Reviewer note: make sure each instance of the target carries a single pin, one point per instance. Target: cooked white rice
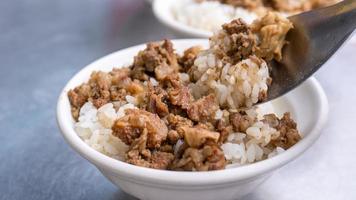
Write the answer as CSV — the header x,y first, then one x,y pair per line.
x,y
94,128
234,85
209,15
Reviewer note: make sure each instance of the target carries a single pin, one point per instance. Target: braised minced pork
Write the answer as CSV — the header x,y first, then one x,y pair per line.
x,y
141,156
163,125
287,128
242,40
156,97
207,157
203,109
271,31
135,121
189,55
158,59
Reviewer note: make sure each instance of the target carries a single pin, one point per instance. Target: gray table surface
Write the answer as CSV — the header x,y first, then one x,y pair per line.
x,y
43,43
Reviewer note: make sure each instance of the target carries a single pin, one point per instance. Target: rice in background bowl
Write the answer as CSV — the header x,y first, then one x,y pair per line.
x,y
209,15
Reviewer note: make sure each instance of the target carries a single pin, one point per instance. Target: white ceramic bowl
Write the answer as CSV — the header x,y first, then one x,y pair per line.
x,y
307,104
162,9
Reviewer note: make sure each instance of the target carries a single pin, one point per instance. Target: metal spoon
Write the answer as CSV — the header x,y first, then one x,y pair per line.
x,y
316,36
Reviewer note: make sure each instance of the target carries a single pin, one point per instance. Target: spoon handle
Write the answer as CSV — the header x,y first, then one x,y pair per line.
x,y
324,30
336,20
316,36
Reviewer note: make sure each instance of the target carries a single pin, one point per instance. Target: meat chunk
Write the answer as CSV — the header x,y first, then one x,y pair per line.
x,y
96,91
196,136
156,97
156,160
173,136
158,58
271,31
225,129
119,75
176,121
179,95
132,124
78,97
208,157
135,87
188,58
203,109
122,85
156,105
166,148
102,88
100,83
241,121
141,156
242,41
117,93
287,128
120,90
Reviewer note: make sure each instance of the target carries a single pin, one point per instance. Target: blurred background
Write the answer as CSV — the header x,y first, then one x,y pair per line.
x,y
44,43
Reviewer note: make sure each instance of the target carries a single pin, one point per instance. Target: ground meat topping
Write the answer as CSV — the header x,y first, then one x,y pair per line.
x,y
102,88
100,83
209,157
132,124
119,75
188,58
241,121
203,109
176,121
156,105
158,58
196,136
287,128
155,160
78,97
141,156
156,97
242,41
179,95
173,136
225,129
271,31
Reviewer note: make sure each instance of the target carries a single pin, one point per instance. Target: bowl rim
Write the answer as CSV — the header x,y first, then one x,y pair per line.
x,y
165,177
173,23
